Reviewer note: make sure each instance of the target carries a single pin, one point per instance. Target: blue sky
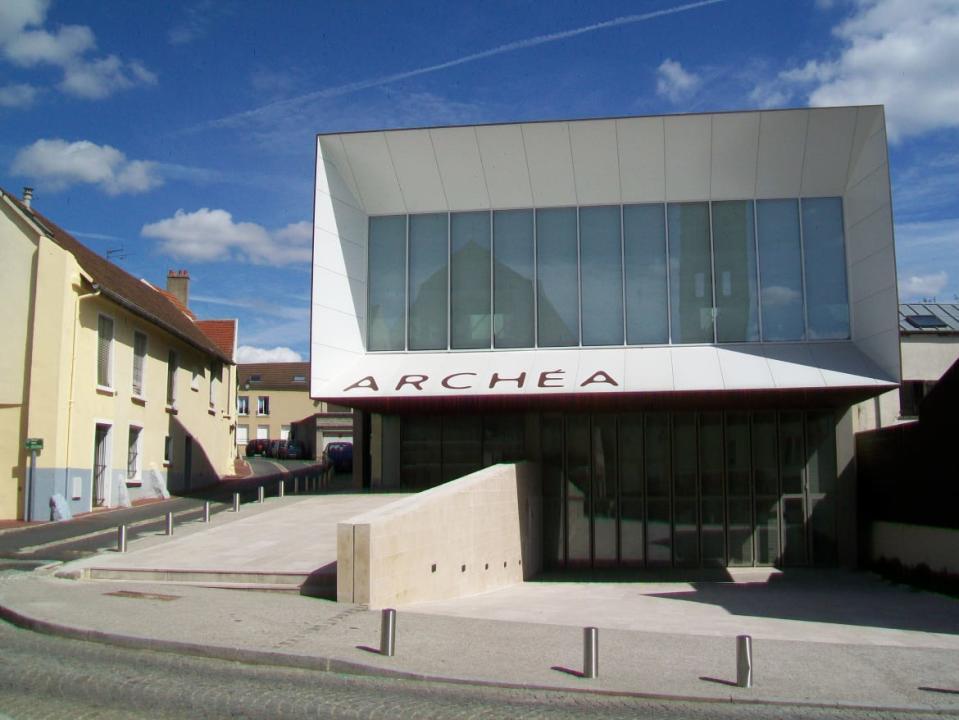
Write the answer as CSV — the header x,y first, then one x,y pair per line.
x,y
183,133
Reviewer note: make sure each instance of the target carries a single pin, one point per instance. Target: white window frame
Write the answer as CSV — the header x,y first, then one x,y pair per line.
x,y
243,405
213,385
246,430
197,373
142,359
265,429
263,405
284,432
110,351
135,470
173,365
168,450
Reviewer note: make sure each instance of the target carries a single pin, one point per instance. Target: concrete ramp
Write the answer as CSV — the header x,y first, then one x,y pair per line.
x,y
284,544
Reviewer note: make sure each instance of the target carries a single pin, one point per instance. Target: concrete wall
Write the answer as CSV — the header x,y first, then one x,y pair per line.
x,y
471,535
913,545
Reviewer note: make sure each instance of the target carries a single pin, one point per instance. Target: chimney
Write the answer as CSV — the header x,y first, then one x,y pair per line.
x,y
27,195
178,285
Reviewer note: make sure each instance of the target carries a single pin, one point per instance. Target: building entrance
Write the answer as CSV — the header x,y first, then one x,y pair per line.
x,y
689,489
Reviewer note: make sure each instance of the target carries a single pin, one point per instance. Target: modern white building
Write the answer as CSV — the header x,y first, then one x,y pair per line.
x,y
672,316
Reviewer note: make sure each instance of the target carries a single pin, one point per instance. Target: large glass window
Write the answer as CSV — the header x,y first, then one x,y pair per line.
x,y
557,281
513,278
387,283
428,283
827,306
734,256
682,273
644,237
780,269
601,275
470,286
690,274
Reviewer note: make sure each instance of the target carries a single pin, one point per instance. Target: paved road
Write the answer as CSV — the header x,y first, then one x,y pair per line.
x,y
29,547
48,677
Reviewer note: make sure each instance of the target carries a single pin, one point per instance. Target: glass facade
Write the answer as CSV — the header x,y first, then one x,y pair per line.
x,y
681,273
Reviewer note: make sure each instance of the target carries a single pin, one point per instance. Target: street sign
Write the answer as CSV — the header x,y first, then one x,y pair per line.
x,y
34,444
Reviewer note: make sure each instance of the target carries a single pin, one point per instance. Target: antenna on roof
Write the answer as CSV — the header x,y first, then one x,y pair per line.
x,y
119,253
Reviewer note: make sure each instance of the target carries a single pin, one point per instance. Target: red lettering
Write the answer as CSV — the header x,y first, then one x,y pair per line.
x,y
445,382
367,383
548,377
414,380
497,379
600,376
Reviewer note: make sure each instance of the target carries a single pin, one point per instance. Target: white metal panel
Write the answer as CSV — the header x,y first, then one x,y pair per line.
x,y
342,186
340,219
329,362
883,349
339,255
687,157
696,368
600,371
744,368
828,148
338,291
642,159
504,165
871,156
461,169
550,163
340,330
782,136
842,365
869,235
416,170
792,366
595,162
871,274
735,142
649,370
369,158
876,313
866,196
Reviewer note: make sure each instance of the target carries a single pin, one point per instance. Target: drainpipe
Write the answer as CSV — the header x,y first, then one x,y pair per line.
x,y
73,373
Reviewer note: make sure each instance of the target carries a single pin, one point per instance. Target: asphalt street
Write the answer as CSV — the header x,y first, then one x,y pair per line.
x,y
49,677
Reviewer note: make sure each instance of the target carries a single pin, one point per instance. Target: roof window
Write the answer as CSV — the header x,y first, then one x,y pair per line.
x,y
926,321
299,378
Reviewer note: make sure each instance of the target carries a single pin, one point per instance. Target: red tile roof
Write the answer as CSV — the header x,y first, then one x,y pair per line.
x,y
137,296
275,376
221,332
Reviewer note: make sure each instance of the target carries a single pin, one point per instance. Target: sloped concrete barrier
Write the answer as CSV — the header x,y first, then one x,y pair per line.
x,y
477,533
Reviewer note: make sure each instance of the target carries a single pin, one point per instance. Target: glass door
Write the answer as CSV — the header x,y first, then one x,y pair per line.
x,y
821,482
791,469
766,488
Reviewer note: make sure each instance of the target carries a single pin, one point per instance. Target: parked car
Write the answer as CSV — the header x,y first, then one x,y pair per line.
x,y
257,446
275,446
292,450
340,455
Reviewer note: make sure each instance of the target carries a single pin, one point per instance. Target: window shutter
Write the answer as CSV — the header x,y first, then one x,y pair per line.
x,y
104,341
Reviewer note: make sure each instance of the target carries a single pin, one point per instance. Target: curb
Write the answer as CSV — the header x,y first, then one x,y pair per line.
x,y
346,667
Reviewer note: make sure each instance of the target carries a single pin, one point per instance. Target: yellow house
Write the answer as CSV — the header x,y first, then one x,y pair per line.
x,y
129,393
272,397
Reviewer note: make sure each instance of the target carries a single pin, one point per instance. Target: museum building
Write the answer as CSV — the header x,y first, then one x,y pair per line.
x,y
671,316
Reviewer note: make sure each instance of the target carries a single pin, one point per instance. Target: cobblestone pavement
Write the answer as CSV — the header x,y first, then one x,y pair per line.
x,y
48,677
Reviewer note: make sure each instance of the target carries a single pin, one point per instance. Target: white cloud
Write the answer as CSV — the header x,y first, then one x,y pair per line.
x,y
58,164
900,53
17,96
923,286
25,43
251,354
780,295
209,235
675,83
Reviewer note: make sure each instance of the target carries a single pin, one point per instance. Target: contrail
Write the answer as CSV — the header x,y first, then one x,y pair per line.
x,y
473,57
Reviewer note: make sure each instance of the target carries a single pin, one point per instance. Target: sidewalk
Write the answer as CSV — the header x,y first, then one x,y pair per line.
x,y
833,639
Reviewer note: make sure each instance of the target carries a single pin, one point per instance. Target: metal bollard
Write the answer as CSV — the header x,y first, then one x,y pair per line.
x,y
388,632
296,486
169,523
590,652
206,511
744,661
121,538
259,494
236,502
281,488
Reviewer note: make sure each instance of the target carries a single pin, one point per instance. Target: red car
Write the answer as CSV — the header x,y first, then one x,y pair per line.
x,y
258,446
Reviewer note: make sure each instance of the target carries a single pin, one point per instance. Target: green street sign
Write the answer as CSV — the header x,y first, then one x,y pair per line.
x,y
34,444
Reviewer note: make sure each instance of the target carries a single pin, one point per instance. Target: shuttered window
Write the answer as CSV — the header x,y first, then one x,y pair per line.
x,y
104,351
171,378
133,453
139,360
